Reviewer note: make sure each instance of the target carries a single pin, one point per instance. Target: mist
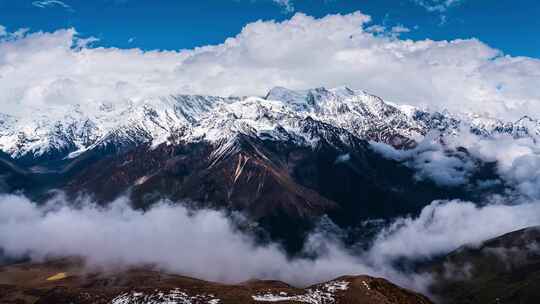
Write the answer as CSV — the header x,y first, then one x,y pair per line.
x,y
205,244
431,161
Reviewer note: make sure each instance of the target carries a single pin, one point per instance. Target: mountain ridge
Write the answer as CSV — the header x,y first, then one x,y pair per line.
x,y
57,135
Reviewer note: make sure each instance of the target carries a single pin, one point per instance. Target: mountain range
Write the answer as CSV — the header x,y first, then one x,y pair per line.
x,y
289,157
56,135
286,161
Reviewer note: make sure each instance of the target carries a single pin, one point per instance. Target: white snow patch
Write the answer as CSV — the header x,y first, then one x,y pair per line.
x,y
175,296
141,180
324,294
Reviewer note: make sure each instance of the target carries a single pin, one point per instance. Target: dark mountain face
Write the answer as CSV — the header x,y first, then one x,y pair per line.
x,y
12,177
505,269
282,186
280,182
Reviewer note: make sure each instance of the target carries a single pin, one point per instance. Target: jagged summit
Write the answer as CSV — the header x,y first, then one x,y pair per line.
x,y
53,134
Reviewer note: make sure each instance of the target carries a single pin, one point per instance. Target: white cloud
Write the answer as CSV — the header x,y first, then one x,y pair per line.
x,y
398,29
44,69
432,161
437,5
50,3
287,5
446,225
3,31
382,31
170,237
518,160
377,29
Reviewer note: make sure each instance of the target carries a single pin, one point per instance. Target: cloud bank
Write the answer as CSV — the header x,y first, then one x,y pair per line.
x,y
432,161
452,159
446,225
182,241
169,236
518,160
302,52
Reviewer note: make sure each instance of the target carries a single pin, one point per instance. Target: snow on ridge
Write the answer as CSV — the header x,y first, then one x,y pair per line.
x,y
71,131
175,296
323,294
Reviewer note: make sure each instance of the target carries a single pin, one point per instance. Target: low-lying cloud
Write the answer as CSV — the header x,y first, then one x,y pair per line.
x,y
446,225
205,244
451,160
432,161
518,159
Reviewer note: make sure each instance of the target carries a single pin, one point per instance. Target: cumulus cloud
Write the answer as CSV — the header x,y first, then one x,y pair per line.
x,y
299,53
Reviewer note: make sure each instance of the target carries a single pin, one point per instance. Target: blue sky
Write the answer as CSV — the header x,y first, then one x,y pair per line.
x,y
418,60
509,25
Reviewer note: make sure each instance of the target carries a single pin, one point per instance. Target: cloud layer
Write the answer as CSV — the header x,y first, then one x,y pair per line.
x,y
181,241
169,236
446,225
432,161
45,69
518,160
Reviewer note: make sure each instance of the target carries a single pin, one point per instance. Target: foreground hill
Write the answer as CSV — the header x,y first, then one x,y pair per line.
x,y
66,282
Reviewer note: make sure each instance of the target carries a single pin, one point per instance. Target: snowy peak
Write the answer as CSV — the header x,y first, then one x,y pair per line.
x,y
316,99
282,114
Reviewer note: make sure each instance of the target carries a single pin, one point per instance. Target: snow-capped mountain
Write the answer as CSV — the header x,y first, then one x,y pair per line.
x,y
285,160
59,133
